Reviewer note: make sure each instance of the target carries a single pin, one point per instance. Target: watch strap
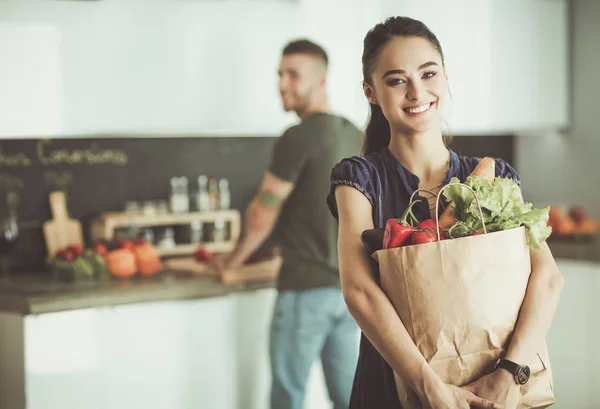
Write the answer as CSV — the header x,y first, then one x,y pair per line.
x,y
510,366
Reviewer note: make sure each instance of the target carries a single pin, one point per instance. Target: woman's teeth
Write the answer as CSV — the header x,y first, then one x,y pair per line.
x,y
418,109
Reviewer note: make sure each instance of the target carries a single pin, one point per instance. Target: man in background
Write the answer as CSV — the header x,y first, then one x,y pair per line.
x,y
310,319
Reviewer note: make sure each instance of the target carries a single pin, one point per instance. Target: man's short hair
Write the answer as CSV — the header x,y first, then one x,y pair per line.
x,y
304,46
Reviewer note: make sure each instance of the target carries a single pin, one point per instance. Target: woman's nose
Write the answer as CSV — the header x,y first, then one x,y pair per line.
x,y
415,90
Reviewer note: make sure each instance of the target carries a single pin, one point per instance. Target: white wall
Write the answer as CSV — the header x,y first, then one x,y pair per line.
x,y
564,168
165,66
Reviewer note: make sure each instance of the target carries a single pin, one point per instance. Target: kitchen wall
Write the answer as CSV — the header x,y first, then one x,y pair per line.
x,y
168,66
563,168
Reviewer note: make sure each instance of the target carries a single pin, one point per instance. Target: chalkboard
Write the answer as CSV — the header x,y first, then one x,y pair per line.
x,y
101,174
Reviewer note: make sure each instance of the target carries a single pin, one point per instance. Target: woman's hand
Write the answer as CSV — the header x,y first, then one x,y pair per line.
x,y
444,396
498,386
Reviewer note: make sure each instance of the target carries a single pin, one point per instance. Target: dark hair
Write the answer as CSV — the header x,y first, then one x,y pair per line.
x,y
304,46
377,134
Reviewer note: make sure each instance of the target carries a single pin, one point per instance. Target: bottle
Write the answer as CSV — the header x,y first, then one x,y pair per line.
x,y
202,200
168,239
224,195
219,232
174,198
213,194
148,234
184,196
196,232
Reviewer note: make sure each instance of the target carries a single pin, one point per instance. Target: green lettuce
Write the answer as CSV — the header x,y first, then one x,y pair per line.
x,y
502,207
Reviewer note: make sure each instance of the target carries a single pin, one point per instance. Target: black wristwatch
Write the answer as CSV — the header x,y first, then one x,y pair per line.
x,y
520,372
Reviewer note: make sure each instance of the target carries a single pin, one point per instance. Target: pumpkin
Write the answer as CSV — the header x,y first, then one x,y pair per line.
x,y
148,259
122,263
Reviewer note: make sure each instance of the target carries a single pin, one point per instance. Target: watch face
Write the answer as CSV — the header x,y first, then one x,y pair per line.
x,y
522,375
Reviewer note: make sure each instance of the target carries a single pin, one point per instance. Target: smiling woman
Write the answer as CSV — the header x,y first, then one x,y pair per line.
x,y
406,85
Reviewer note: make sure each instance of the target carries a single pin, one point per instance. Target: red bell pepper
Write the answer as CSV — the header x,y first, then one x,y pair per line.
x,y
427,224
423,236
397,231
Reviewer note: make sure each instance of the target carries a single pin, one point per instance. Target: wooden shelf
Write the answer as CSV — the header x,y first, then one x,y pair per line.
x,y
103,228
186,249
124,219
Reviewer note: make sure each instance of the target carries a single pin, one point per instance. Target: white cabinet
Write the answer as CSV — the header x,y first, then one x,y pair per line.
x,y
573,337
530,79
206,353
163,355
506,60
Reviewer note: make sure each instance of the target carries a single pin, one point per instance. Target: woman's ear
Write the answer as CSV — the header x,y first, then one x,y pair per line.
x,y
370,93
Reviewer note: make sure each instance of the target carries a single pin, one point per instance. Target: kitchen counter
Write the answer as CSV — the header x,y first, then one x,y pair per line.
x,y
176,340
576,250
36,293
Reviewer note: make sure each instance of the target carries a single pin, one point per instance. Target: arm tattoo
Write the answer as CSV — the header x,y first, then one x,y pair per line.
x,y
268,198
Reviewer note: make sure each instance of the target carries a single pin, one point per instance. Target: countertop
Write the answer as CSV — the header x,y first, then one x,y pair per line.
x,y
37,293
580,250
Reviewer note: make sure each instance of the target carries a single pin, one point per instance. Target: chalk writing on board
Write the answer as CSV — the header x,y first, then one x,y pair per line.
x,y
14,160
49,155
94,155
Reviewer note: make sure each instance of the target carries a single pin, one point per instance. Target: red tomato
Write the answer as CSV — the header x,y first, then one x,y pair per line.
x,y
202,255
100,248
76,249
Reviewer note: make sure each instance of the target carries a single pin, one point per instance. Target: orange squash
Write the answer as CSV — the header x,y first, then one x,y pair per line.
x,y
121,263
148,259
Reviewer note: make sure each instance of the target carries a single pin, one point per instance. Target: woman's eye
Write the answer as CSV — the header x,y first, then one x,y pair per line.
x,y
429,74
396,81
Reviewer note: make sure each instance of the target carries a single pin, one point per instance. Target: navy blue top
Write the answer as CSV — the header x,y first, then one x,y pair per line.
x,y
388,187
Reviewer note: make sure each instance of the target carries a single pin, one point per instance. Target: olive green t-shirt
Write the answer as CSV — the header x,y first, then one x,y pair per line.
x,y
306,232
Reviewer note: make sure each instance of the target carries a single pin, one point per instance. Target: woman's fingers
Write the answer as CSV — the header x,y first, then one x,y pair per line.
x,y
480,403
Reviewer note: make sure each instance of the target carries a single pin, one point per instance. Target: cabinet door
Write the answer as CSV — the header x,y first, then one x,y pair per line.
x,y
63,360
170,355
529,64
571,339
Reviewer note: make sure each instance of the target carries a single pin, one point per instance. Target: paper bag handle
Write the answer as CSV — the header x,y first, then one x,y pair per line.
x,y
437,204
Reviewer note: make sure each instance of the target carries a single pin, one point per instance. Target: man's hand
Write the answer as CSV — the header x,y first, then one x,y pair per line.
x,y
499,387
221,262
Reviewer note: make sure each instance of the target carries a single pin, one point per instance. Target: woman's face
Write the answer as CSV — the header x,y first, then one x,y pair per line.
x,y
409,84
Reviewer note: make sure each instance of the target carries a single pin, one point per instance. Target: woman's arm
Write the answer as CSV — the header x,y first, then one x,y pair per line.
x,y
537,312
535,317
376,315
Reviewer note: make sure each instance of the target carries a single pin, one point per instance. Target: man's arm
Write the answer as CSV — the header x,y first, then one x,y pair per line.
x,y
260,217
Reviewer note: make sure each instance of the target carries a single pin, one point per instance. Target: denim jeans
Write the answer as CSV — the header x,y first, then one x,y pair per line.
x,y
308,325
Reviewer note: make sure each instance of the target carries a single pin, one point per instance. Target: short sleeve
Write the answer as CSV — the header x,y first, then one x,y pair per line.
x,y
354,172
289,155
505,170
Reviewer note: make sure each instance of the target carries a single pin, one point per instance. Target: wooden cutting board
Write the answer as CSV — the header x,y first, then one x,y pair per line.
x,y
261,271
61,231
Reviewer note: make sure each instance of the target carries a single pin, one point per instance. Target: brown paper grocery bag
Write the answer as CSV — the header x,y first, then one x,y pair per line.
x,y
459,300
